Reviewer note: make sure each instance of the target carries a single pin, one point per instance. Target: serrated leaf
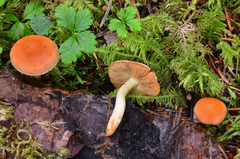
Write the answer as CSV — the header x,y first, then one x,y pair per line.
x,y
126,18
134,25
114,24
40,24
70,50
83,20
122,31
65,16
16,31
11,17
32,9
121,14
130,13
86,41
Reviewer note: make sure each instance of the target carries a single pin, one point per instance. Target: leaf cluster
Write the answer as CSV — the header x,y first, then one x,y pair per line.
x,y
81,40
125,18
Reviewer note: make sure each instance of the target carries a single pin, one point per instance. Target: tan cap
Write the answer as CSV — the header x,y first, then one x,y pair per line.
x,y
210,111
120,71
34,55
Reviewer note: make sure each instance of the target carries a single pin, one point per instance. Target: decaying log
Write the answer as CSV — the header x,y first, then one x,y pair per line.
x,y
55,114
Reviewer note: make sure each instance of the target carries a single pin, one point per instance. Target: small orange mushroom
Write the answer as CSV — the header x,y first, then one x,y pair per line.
x,y
210,110
34,55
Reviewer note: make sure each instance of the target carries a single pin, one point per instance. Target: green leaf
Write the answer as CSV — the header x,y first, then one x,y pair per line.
x,y
2,2
118,25
134,25
1,49
32,9
11,17
86,41
122,31
83,20
16,31
131,13
126,18
40,24
227,53
115,24
65,16
27,30
127,14
70,50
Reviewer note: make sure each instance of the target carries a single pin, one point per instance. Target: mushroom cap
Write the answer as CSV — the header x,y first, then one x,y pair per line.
x,y
34,55
120,71
210,111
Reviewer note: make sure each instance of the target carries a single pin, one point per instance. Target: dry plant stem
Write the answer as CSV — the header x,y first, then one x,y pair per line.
x,y
223,77
227,18
233,109
228,21
120,105
228,39
106,13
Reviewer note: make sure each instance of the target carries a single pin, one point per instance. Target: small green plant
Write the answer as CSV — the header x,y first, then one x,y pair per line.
x,y
230,52
234,127
81,40
211,24
32,18
5,112
58,154
125,18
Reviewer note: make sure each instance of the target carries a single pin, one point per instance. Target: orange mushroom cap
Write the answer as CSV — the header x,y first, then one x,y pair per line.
x,y
210,111
34,55
121,71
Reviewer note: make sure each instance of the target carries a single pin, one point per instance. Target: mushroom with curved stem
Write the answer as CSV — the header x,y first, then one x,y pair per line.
x,y
129,75
34,55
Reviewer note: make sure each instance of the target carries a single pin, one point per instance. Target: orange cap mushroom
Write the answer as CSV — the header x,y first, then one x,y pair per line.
x,y
129,75
210,110
34,55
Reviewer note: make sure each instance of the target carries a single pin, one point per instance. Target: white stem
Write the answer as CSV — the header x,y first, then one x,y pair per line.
x,y
120,105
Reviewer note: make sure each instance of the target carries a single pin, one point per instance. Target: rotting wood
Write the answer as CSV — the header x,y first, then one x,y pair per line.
x,y
134,138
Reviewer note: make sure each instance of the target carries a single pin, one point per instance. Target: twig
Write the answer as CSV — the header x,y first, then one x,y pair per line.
x,y
228,21
106,13
227,18
223,77
236,89
230,70
102,34
228,39
223,152
120,4
233,109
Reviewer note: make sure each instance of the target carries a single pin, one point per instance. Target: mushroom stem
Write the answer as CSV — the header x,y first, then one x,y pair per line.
x,y
120,105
